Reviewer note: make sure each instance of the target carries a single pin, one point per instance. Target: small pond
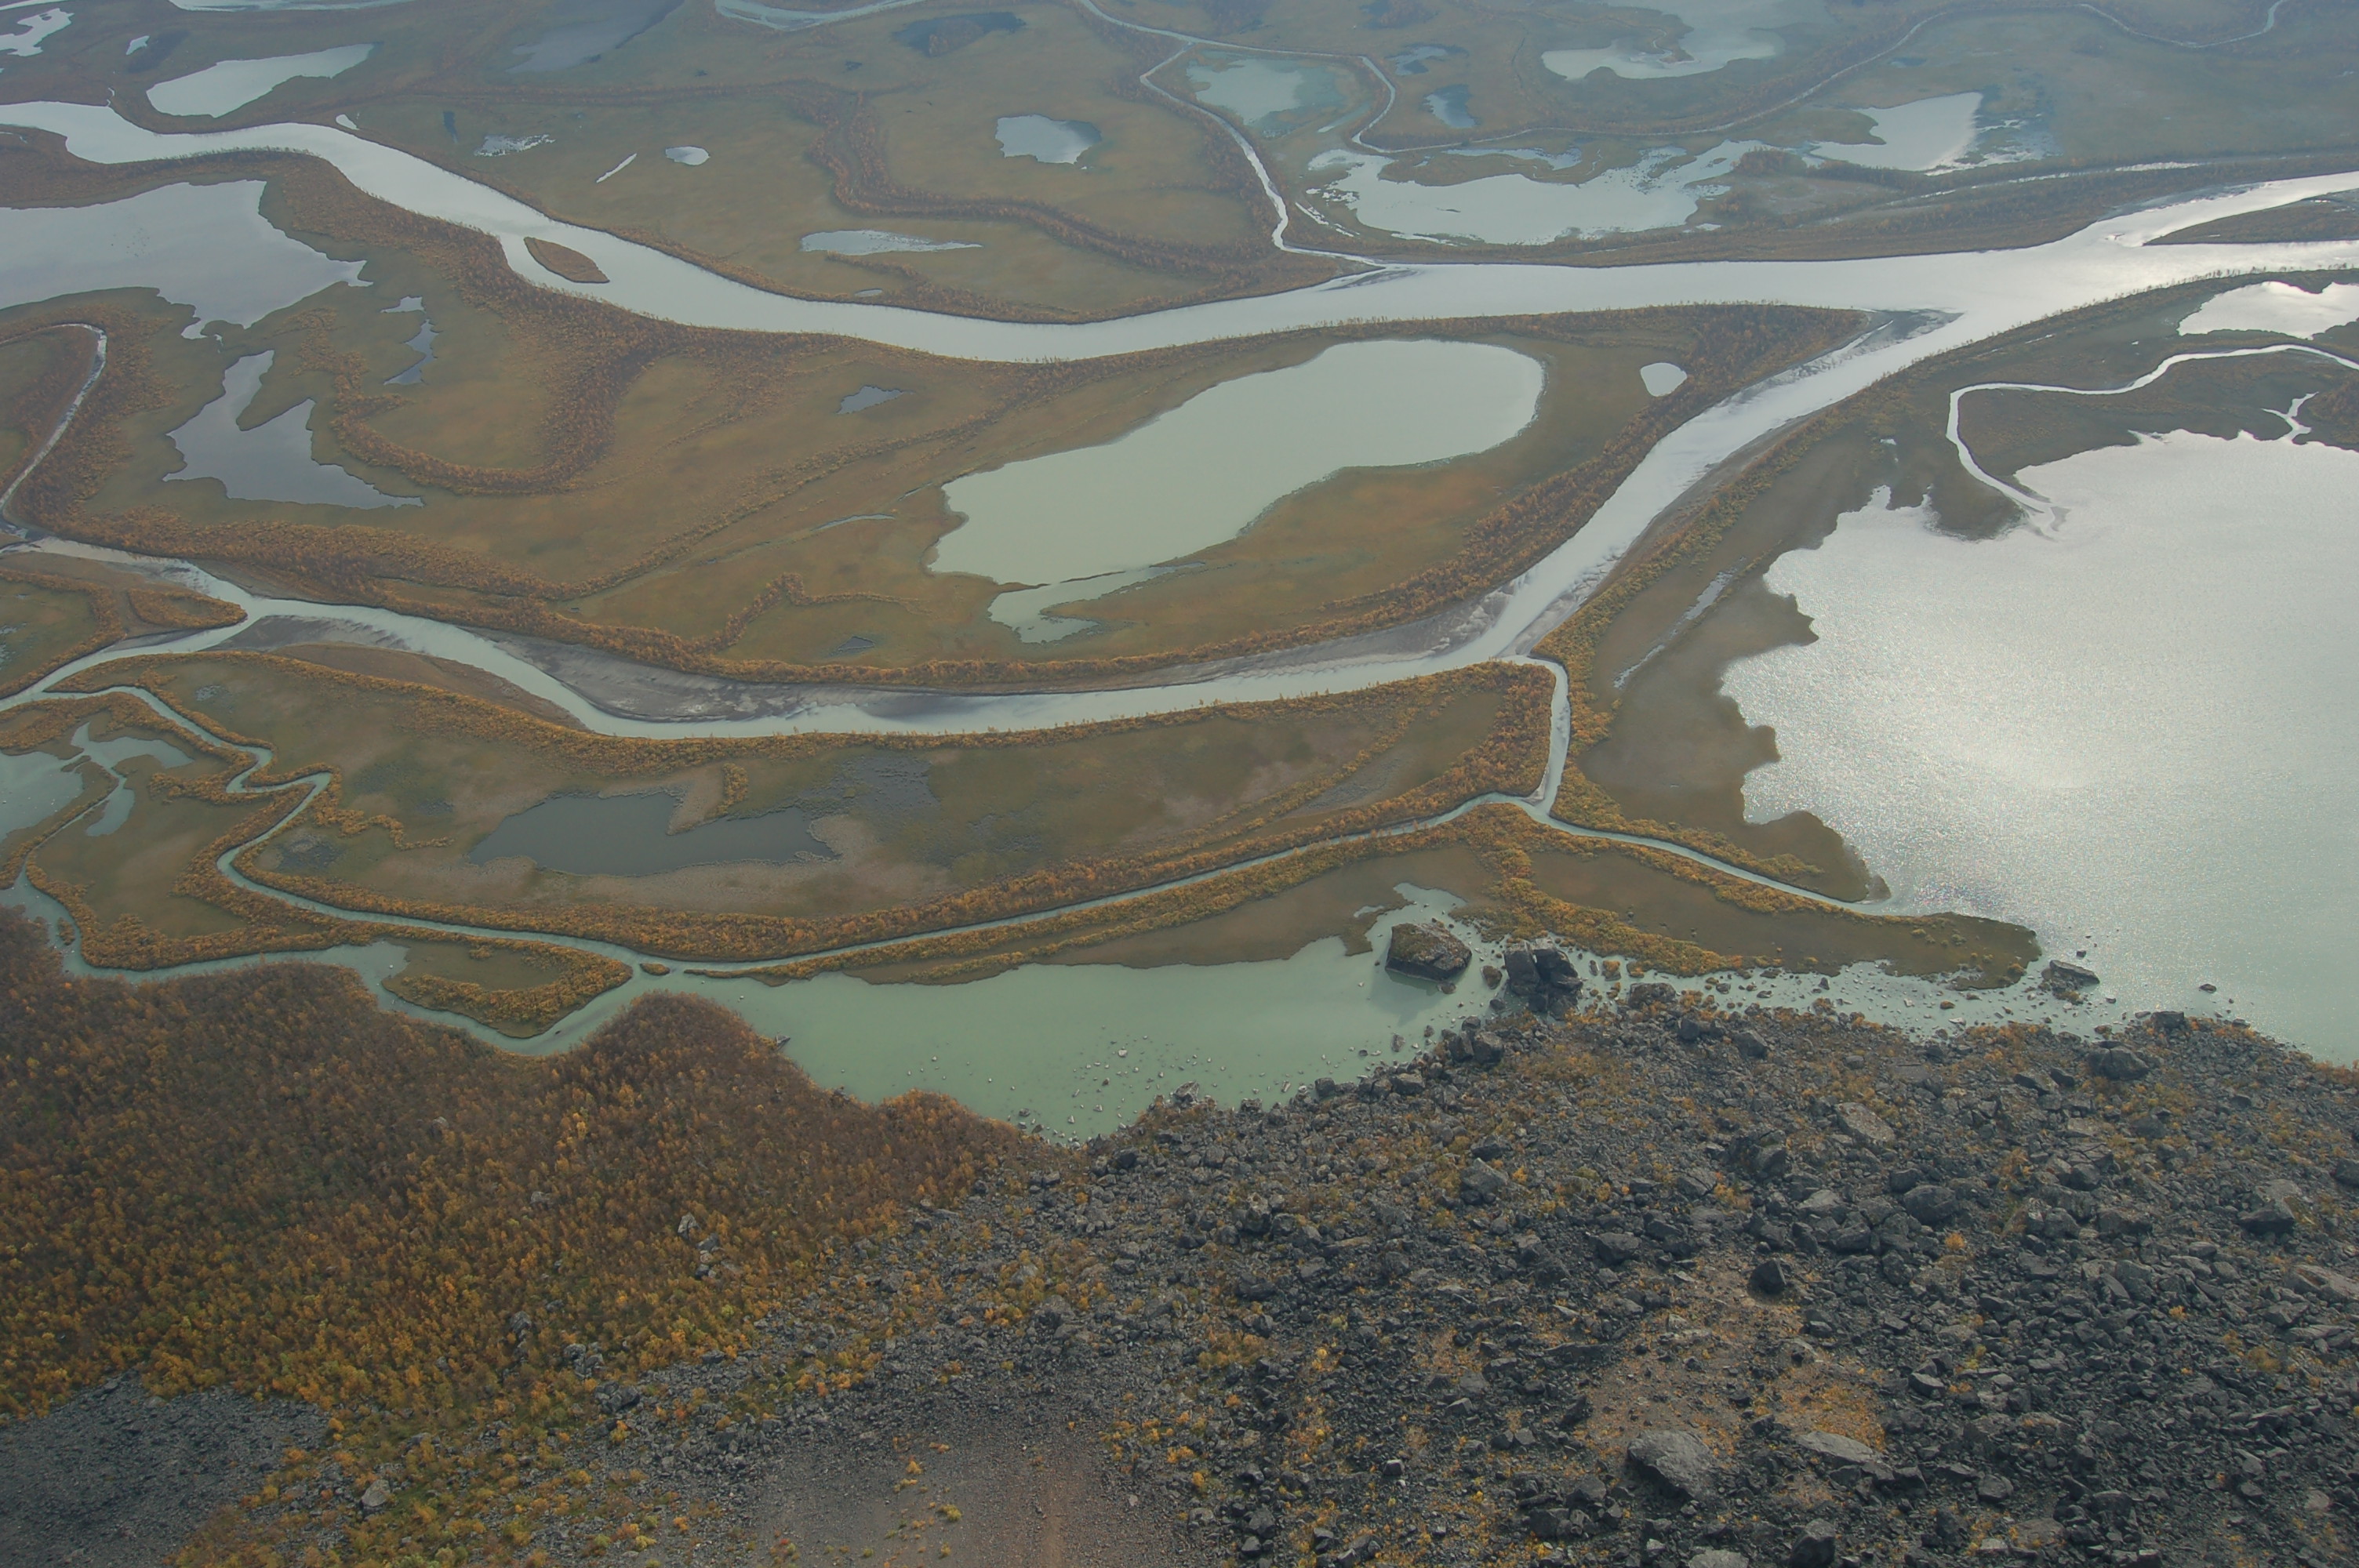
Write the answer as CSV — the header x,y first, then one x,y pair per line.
x,y
876,242
235,83
1203,471
25,42
1412,60
867,397
1261,94
947,34
1931,134
273,461
1450,106
1662,378
586,29
2276,307
1662,189
1719,32
1045,140
421,343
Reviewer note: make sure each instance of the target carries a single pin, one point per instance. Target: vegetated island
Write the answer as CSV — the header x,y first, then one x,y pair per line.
x,y
1657,1281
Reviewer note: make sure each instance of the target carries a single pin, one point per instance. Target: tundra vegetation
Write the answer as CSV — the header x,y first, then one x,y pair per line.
x,y
1661,1277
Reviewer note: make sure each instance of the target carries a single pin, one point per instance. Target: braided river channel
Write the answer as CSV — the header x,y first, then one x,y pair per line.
x,y
1982,789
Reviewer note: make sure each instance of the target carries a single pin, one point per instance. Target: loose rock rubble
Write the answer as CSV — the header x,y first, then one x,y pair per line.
x,y
119,1477
1660,1286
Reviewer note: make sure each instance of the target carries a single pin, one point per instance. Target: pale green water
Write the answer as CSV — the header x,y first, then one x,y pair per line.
x,y
235,83
1080,1049
1202,472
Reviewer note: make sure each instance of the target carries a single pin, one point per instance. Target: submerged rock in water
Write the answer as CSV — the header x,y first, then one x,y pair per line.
x,y
2065,979
1427,952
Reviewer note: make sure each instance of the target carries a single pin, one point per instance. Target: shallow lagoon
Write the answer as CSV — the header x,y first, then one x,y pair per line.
x,y
1929,134
2136,733
1260,93
876,242
273,461
2276,307
233,83
1719,32
33,784
205,246
1080,1049
1044,140
1662,189
1202,472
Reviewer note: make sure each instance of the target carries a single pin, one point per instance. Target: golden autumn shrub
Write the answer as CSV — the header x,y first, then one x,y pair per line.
x,y
261,1179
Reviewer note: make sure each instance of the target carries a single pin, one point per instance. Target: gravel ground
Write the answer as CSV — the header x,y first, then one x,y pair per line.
x,y
1649,1288
117,1478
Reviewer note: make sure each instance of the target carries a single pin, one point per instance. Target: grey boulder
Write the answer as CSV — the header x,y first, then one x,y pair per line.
x,y
1676,1457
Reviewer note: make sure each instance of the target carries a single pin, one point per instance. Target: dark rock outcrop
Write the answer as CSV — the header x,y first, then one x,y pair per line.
x,y
1427,952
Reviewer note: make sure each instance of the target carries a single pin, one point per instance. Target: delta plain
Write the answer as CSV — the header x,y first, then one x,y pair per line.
x,y
1457,781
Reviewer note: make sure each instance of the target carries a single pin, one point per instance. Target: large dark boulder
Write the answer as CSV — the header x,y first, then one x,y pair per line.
x,y
1930,1204
1427,952
1541,975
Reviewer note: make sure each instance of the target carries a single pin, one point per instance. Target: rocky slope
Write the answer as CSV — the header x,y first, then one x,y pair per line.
x,y
1654,1285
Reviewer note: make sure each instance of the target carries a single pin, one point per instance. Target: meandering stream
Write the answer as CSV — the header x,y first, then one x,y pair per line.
x,y
1923,305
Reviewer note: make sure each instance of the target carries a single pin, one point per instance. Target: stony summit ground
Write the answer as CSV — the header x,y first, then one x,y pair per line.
x,y
1649,1285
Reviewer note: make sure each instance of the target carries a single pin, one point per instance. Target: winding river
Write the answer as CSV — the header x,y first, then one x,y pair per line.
x,y
1922,306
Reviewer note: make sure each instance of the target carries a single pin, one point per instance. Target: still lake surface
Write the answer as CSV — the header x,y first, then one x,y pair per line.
x,y
1201,474
233,83
272,461
1716,34
2135,730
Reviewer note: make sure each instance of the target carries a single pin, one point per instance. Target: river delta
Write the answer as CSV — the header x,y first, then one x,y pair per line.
x,y
1195,781
1260,426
